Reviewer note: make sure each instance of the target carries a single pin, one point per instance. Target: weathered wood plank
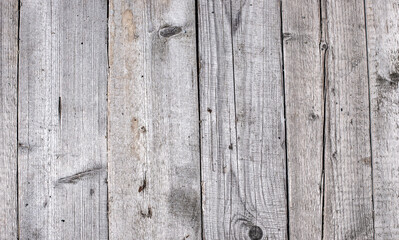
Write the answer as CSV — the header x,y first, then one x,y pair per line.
x,y
218,125
154,174
62,120
383,46
8,118
242,126
304,52
348,210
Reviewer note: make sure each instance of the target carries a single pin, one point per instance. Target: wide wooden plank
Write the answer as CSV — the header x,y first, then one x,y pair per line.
x,y
348,210
8,118
383,46
62,120
154,174
304,58
242,120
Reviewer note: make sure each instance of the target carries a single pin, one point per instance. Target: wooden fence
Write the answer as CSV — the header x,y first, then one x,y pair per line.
x,y
199,119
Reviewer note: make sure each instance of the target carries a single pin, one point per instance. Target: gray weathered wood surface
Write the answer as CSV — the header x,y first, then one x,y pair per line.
x,y
168,119
242,120
154,164
304,58
62,123
383,46
8,118
348,212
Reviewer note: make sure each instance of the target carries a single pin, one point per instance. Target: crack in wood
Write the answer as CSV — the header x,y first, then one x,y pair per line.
x,y
73,179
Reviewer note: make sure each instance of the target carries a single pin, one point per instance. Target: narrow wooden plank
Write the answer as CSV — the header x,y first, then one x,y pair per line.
x,y
154,174
8,118
218,125
62,120
383,46
348,210
242,120
304,52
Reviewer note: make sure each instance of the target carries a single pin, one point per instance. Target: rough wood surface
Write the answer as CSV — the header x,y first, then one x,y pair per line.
x,y
62,120
154,164
383,45
8,118
199,157
304,57
348,210
242,120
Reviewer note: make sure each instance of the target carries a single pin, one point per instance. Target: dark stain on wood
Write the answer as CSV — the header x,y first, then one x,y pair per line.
x,y
385,88
184,202
23,146
394,77
169,31
366,161
237,21
391,83
359,231
334,155
144,185
313,116
148,214
287,36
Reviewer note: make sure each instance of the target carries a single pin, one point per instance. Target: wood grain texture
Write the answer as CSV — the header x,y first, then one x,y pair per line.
x,y
154,164
348,210
304,56
383,46
8,118
242,120
62,120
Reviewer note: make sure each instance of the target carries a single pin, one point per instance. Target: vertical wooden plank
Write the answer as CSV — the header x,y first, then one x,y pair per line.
x,y
348,210
261,169
304,52
383,46
8,118
242,120
62,120
218,124
154,174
